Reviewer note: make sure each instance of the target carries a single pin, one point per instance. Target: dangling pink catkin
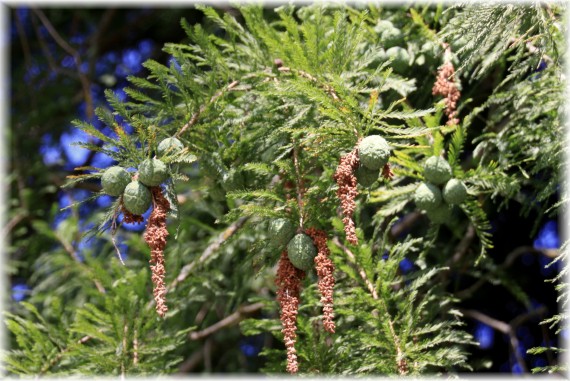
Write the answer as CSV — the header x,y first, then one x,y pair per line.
x,y
347,191
288,281
155,237
446,86
325,272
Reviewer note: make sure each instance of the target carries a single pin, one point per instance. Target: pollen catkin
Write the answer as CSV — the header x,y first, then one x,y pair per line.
x,y
155,237
325,272
288,281
347,191
387,172
446,86
130,218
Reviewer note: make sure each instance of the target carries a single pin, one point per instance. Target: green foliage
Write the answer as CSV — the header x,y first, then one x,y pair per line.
x,y
266,106
115,333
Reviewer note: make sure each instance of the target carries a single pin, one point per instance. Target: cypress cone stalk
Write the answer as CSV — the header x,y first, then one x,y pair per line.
x,y
155,237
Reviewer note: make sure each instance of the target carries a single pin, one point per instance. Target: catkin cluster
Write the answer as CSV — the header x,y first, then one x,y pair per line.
x,y
446,86
155,237
347,191
288,281
325,272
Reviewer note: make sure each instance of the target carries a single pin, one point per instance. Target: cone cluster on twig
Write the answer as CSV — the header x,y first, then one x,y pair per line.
x,y
363,165
301,252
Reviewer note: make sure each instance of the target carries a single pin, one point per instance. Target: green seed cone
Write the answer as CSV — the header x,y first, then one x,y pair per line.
x,y
169,146
437,170
281,231
302,252
137,198
440,214
401,62
374,152
366,177
427,196
392,37
454,192
152,172
114,180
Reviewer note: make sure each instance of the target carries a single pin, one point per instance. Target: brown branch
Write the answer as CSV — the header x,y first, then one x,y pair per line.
x,y
509,260
406,223
459,252
191,362
14,221
228,321
85,83
508,329
463,245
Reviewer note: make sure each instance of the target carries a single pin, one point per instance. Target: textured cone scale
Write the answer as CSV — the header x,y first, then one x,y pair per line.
x,y
373,152
427,196
281,231
152,172
366,177
114,180
169,146
454,192
136,198
437,170
302,252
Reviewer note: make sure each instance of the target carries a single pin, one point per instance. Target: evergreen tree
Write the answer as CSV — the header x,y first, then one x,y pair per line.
x,y
314,182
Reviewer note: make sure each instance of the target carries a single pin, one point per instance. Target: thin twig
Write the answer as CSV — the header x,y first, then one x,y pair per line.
x,y
135,348
508,329
328,88
299,184
13,222
400,360
211,249
406,223
56,359
125,332
230,320
85,83
509,260
459,252
194,119
191,362
117,249
360,270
